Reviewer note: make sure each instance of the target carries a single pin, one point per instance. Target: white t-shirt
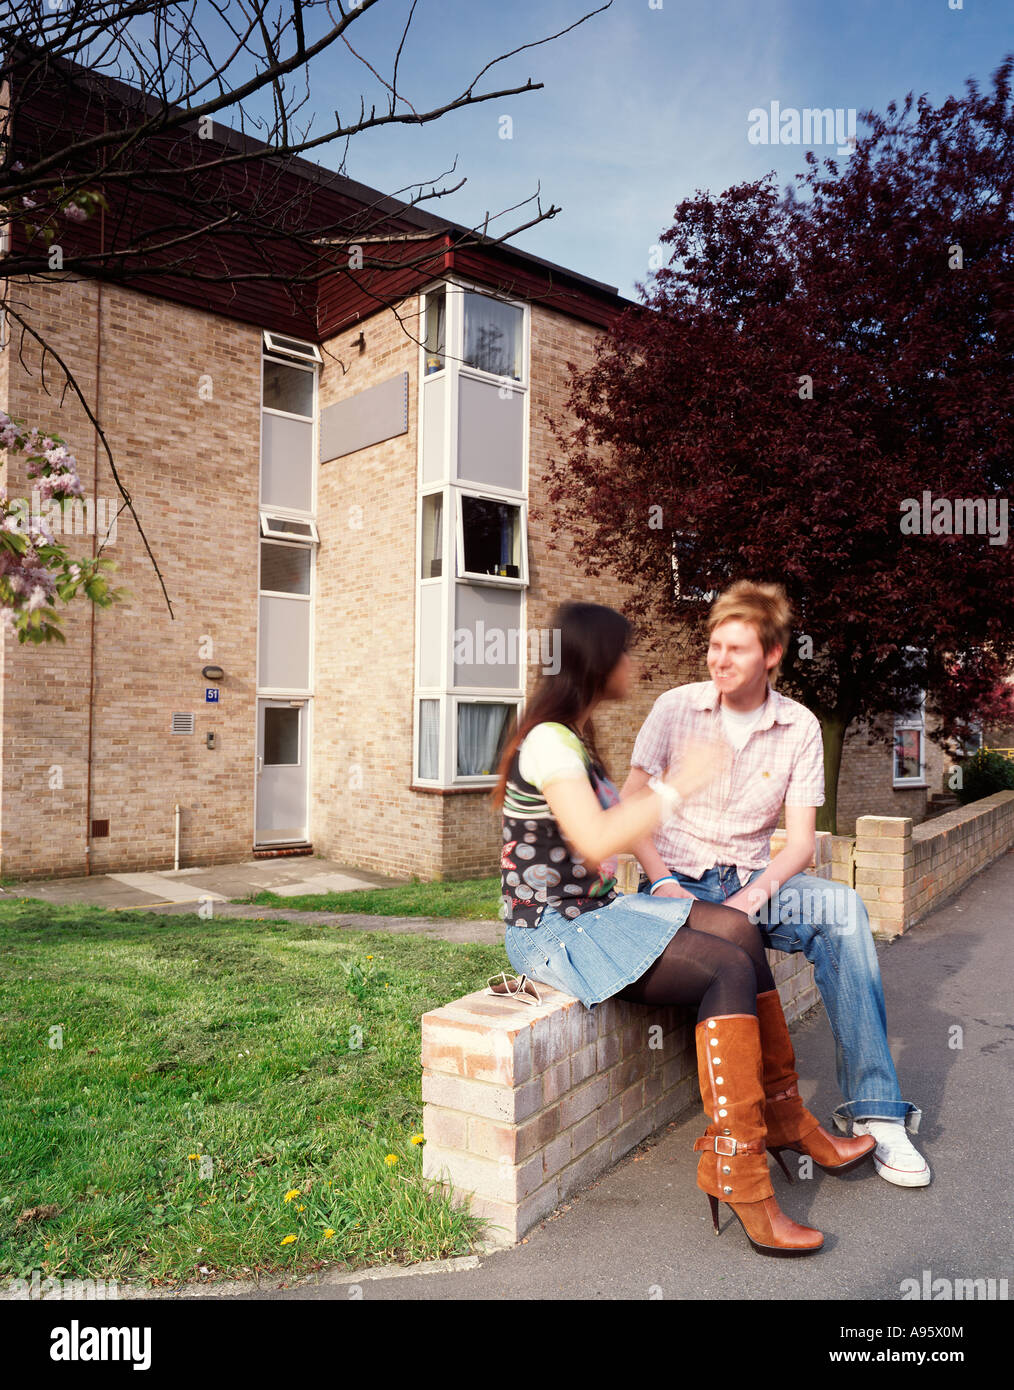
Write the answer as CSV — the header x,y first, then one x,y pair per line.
x,y
551,751
738,727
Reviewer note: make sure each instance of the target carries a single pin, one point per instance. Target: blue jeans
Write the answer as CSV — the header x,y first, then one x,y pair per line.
x,y
829,923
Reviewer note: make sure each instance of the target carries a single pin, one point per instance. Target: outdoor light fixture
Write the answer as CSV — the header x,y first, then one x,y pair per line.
x,y
212,673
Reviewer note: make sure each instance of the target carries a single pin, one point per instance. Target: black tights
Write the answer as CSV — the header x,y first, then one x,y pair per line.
x,y
716,960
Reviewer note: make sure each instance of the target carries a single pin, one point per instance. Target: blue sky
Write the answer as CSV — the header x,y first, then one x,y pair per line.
x,y
640,106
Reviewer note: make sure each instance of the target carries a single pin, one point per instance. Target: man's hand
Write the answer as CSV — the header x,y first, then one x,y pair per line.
x,y
750,900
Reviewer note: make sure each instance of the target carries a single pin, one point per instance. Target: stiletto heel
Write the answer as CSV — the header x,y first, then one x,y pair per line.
x,y
714,1211
781,1162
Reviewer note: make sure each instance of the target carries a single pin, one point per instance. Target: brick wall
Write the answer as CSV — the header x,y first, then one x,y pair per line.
x,y
905,871
524,1105
364,812
190,466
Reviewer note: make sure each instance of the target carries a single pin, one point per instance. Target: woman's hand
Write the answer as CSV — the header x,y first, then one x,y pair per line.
x,y
671,890
697,764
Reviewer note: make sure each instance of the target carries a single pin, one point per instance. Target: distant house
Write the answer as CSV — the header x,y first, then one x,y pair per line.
x,y
348,509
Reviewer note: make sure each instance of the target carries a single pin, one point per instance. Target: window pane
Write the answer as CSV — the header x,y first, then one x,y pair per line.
x,y
493,335
286,462
295,528
281,736
429,738
436,318
907,749
432,535
285,569
288,388
492,536
482,732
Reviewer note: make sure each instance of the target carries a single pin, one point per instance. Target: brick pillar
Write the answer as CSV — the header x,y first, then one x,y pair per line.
x,y
885,870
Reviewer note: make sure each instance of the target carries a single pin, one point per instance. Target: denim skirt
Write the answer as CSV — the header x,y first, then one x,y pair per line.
x,y
597,954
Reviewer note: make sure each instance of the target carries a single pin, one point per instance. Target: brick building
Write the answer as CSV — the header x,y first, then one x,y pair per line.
x,y
344,504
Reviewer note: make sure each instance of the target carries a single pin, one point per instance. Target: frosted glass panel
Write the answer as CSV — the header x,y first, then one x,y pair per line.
x,y
490,434
286,463
284,643
488,644
433,464
431,656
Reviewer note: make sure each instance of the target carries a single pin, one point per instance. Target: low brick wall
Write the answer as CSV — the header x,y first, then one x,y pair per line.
x,y
524,1105
903,871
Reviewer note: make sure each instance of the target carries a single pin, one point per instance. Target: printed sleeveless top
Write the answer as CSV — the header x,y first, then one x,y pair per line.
x,y
538,868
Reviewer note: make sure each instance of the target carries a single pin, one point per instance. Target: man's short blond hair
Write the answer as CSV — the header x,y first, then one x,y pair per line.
x,y
765,606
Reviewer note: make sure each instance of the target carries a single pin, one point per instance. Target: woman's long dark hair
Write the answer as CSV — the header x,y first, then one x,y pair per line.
x,y
592,640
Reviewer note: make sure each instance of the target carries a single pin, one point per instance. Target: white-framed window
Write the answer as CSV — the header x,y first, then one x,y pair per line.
x,y
480,333
285,568
481,729
291,347
493,336
428,741
432,538
288,528
910,746
289,388
435,334
491,539
480,732
459,739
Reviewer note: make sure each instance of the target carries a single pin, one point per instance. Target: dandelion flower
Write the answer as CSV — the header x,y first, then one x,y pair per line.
x,y
328,1233
193,1155
391,1159
292,1192
301,1208
287,1240
418,1139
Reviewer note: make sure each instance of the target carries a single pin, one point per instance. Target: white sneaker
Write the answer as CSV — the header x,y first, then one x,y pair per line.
x,y
895,1158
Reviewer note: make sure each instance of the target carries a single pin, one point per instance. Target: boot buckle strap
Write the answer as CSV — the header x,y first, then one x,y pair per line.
x,y
712,1142
726,1145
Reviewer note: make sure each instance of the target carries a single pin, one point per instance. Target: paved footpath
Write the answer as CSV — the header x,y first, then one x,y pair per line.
x,y
643,1229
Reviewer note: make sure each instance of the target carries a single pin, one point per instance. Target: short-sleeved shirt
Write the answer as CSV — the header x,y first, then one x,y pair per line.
x,y
731,820
538,867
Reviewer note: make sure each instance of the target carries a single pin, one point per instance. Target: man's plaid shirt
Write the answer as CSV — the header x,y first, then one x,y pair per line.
x,y
731,820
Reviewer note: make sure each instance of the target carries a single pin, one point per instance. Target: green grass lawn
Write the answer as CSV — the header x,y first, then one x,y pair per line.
x,y
472,898
283,1055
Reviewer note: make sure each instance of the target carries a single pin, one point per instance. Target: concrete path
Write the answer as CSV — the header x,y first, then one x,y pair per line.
x,y
171,891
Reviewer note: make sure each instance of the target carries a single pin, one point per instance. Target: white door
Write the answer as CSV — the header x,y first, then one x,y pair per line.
x,y
282,794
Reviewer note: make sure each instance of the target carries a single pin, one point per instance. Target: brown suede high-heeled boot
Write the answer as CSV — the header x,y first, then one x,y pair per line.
x,y
732,1167
788,1123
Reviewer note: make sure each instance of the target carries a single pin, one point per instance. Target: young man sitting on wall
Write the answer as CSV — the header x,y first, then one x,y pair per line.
x,y
719,849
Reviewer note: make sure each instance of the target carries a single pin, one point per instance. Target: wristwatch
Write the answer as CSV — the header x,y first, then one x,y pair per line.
x,y
670,796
